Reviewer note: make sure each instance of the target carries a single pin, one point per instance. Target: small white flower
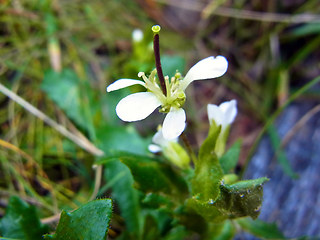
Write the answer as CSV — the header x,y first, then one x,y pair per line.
x,y
137,35
224,114
138,106
160,142
171,149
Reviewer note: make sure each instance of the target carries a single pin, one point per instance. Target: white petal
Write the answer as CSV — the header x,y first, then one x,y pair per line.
x,y
215,114
137,106
207,68
154,148
160,140
122,83
230,110
174,123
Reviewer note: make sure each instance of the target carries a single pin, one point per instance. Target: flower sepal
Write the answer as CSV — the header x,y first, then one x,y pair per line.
x,y
222,137
176,154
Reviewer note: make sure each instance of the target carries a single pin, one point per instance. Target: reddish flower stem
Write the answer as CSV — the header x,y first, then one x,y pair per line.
x,y
156,48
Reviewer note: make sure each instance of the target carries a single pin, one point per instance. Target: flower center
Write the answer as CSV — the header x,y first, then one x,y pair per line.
x,y
175,96
177,100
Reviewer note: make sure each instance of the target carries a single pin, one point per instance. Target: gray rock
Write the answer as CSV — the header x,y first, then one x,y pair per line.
x,y
294,204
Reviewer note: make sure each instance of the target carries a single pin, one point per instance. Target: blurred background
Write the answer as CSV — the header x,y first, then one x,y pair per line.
x,y
59,56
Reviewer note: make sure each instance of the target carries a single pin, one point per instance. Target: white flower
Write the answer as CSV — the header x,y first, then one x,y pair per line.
x,y
171,149
160,142
224,114
138,106
137,35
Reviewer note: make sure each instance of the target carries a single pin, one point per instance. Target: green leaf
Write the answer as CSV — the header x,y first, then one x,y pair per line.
x,y
207,210
246,185
171,64
230,178
119,138
280,154
148,175
67,91
230,159
124,194
162,216
227,232
207,179
151,231
155,201
151,175
241,199
91,221
114,139
221,231
208,145
208,172
306,29
177,233
261,229
190,218
21,221
51,24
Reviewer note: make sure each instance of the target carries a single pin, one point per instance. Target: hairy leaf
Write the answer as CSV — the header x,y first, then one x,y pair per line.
x,y
91,221
207,210
241,199
208,172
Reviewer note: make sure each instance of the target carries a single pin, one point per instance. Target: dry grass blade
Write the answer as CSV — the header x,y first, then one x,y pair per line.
x,y
16,149
264,16
243,14
51,219
299,125
79,140
22,13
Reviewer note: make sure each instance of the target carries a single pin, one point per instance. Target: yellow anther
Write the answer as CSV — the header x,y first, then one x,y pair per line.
x,y
140,74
